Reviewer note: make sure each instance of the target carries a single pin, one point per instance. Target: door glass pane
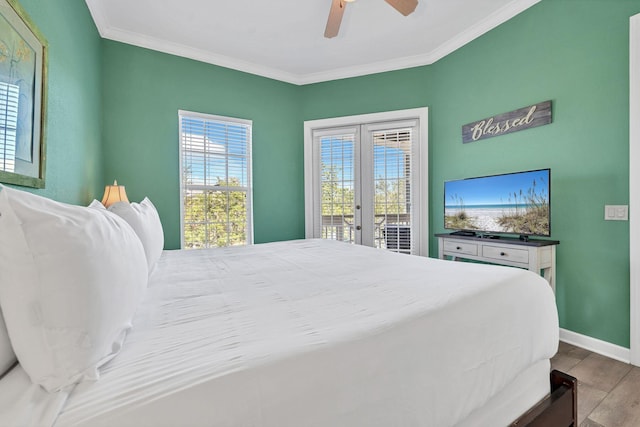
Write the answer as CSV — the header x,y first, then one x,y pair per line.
x,y
337,182
392,183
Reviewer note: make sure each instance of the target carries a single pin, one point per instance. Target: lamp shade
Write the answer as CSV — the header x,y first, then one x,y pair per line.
x,y
113,194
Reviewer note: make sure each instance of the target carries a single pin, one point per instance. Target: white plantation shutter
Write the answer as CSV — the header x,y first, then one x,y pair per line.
x,y
338,173
392,203
215,166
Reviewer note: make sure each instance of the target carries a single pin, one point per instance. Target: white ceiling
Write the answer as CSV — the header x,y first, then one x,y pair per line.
x,y
284,39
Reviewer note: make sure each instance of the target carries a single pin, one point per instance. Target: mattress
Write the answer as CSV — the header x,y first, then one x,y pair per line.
x,y
320,333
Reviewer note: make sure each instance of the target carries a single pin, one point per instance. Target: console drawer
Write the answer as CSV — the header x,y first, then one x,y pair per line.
x,y
461,248
506,253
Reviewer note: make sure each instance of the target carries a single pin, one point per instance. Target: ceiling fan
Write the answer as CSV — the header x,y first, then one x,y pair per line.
x,y
405,7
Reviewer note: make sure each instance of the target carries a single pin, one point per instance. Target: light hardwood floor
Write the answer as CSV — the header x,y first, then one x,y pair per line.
x,y
608,390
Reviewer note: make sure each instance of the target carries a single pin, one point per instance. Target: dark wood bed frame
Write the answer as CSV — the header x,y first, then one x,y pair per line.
x,y
559,409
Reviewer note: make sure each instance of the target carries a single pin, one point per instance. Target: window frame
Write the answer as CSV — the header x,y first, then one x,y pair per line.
x,y
421,195
249,189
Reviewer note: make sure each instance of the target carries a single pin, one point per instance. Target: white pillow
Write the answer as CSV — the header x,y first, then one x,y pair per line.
x,y
72,278
145,221
97,205
7,356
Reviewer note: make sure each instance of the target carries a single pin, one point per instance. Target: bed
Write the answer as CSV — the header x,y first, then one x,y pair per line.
x,y
313,333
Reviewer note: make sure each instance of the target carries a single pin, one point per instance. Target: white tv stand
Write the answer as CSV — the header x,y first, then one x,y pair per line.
x,y
538,256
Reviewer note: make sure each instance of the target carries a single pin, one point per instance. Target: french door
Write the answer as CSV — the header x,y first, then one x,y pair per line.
x,y
366,184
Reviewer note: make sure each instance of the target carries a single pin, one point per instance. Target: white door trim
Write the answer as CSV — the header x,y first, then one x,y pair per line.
x,y
422,114
634,187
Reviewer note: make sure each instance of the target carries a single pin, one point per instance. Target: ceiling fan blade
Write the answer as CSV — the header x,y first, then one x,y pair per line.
x,y
405,7
335,18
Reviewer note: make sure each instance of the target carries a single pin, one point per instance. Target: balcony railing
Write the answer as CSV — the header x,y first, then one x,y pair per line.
x,y
391,231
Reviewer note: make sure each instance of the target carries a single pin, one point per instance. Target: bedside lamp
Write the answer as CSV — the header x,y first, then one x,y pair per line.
x,y
114,193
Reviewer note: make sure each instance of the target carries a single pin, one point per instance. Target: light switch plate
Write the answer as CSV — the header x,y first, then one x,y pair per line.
x,y
616,212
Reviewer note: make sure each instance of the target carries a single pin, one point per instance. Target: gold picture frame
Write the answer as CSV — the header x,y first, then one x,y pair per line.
x,y
23,72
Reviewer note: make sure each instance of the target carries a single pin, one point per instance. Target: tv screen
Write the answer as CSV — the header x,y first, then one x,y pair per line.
x,y
513,203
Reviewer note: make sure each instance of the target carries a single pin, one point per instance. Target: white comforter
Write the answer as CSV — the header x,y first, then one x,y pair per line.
x,y
319,333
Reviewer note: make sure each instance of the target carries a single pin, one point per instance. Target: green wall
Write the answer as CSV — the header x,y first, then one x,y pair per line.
x,y
143,91
112,114
575,53
74,110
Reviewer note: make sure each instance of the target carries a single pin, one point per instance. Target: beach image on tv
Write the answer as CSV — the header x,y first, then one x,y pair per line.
x,y
513,203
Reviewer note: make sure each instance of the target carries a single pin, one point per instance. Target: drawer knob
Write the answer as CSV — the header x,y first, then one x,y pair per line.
x,y
458,248
502,254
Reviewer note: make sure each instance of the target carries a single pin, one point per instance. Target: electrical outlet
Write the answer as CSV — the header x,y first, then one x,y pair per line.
x,y
616,212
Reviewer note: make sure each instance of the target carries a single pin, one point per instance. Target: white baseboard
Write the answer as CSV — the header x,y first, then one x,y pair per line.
x,y
604,348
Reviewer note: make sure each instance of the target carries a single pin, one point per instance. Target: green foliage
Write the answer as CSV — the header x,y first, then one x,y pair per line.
x,y
391,197
216,217
336,198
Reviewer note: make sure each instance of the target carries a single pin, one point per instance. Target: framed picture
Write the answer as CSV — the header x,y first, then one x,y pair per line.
x,y
23,64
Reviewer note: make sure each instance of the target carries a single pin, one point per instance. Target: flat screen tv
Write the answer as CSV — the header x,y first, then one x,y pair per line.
x,y
511,203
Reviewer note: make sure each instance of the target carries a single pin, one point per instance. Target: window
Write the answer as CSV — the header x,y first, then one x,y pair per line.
x,y
215,166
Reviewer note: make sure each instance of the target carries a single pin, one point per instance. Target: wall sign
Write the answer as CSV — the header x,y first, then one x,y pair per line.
x,y
513,121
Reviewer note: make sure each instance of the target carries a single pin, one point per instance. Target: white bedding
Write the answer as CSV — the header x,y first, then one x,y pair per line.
x,y
319,333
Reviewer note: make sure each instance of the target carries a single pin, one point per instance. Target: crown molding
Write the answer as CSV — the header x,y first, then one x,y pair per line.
x,y
189,52
497,18
366,69
482,27
96,8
